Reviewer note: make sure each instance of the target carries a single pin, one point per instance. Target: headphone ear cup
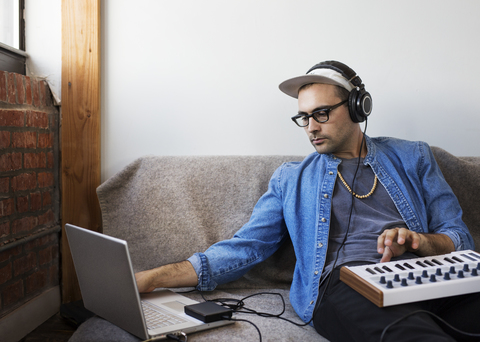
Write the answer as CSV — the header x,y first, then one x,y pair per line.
x,y
359,105
352,106
366,104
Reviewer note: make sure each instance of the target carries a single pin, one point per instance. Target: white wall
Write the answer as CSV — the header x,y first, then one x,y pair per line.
x,y
200,77
43,40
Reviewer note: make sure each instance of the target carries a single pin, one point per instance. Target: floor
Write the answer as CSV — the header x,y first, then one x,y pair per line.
x,y
55,329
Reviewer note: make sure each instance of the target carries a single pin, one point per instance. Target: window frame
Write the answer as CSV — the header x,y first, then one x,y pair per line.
x,y
12,59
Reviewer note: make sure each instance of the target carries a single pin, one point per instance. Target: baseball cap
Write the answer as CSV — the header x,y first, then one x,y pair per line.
x,y
322,75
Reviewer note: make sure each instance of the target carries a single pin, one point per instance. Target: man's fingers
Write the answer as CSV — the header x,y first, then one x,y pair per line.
x,y
387,255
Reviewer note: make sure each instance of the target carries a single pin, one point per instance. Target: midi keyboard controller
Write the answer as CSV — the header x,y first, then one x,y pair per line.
x,y
412,280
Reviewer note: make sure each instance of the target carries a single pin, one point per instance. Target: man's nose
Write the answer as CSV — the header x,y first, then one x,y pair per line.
x,y
313,125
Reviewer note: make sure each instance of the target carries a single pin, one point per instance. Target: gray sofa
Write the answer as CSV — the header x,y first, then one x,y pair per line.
x,y
168,208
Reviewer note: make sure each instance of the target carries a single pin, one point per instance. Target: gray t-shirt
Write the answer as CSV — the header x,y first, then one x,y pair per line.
x,y
370,217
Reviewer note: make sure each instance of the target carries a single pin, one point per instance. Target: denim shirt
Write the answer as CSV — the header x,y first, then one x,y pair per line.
x,y
298,204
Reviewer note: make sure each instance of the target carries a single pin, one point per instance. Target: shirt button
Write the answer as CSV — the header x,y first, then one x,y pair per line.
x,y
316,272
326,195
330,173
324,219
311,302
320,245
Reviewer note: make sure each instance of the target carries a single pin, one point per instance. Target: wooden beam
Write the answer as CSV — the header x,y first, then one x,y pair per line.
x,y
80,127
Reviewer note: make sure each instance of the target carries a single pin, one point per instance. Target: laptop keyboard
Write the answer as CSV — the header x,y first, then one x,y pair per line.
x,y
157,317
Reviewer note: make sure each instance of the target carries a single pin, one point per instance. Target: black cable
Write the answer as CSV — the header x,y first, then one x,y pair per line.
x,y
239,304
244,320
465,334
349,218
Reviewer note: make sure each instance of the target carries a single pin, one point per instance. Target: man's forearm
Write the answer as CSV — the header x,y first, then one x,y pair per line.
x,y
434,244
180,274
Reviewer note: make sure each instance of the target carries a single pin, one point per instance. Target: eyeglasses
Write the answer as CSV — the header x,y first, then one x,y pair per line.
x,y
320,115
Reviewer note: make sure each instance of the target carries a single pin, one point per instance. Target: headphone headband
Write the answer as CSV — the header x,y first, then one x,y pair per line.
x,y
359,101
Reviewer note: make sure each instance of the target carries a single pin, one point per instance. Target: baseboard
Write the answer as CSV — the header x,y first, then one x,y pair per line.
x,y
30,315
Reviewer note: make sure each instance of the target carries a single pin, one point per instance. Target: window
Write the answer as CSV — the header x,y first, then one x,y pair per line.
x,y
12,36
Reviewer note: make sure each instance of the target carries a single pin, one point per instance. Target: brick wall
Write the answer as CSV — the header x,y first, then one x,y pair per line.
x,y
29,190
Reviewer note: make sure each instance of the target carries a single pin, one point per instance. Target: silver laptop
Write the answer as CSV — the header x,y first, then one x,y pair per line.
x,y
109,289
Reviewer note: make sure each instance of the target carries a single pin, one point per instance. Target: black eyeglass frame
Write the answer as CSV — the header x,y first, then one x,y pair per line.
x,y
315,114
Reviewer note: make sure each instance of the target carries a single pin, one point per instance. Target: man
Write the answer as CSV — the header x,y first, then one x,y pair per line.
x,y
356,200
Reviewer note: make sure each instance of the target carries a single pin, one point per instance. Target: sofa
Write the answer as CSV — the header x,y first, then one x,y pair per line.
x,y
169,207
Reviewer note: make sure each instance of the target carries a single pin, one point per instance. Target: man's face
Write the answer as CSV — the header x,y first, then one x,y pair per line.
x,y
339,135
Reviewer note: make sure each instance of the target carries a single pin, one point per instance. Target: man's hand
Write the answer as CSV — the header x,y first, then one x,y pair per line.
x,y
181,274
145,281
394,242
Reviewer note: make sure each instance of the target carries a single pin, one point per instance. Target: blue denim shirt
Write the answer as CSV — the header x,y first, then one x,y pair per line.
x,y
298,203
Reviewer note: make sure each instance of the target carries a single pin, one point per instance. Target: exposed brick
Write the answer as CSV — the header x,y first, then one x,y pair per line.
x,y
50,160
47,199
30,245
34,160
24,224
12,118
20,88
7,207
46,219
25,264
5,273
43,241
36,281
4,185
11,88
22,204
54,274
11,252
36,119
45,179
28,90
4,139
45,140
48,95
13,293
35,201
43,92
36,92
3,86
4,229
24,139
47,255
25,181
10,161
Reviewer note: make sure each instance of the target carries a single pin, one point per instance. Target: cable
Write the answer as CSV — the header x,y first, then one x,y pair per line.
x,y
349,217
465,334
244,320
239,304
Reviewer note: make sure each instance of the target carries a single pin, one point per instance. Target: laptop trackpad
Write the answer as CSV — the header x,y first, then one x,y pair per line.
x,y
175,305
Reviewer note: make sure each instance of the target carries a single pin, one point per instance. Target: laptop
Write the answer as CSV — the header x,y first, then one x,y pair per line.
x,y
107,282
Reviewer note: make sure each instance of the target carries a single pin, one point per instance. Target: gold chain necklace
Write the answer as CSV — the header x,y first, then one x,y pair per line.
x,y
354,194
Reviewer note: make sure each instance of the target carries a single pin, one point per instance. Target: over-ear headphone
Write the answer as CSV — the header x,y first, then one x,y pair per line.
x,y
359,100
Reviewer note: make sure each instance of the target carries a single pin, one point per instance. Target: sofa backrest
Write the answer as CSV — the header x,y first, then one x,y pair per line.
x,y
168,208
463,176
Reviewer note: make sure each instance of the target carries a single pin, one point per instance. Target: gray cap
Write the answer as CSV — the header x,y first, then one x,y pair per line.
x,y
322,75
